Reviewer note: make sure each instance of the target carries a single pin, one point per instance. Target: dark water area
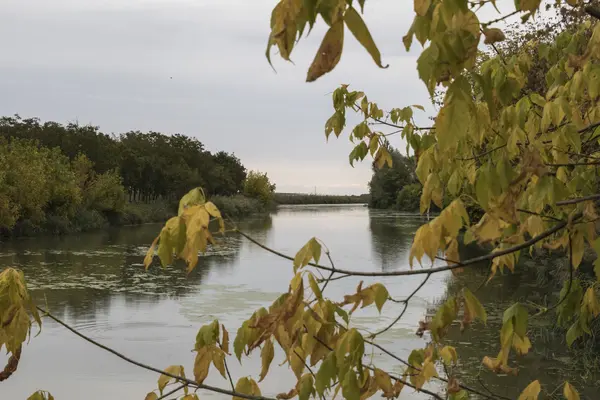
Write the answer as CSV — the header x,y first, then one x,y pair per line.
x,y
96,283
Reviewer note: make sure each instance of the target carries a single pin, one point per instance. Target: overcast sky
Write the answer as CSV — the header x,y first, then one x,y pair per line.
x,y
197,67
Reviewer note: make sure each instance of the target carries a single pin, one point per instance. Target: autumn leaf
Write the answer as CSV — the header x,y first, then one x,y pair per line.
x,y
357,26
266,356
329,52
531,392
569,392
247,386
163,380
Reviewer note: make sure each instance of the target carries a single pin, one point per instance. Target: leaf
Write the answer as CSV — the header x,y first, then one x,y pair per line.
x,y
517,313
493,35
225,341
149,396
329,52
384,382
202,364
473,307
310,251
247,386
327,373
427,372
296,357
578,247
569,392
305,387
192,198
42,395
163,380
422,6
449,355
315,286
357,26
350,387
574,333
218,360
150,254
266,355
531,392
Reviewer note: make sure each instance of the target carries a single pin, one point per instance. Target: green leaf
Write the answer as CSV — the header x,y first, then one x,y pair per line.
x,y
305,387
350,388
518,314
329,52
247,386
357,26
310,251
574,333
537,99
327,373
460,395
474,306
381,295
315,287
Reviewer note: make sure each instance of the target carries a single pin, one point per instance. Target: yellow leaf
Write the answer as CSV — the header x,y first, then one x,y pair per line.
x,y
163,380
310,251
591,302
266,356
314,286
578,246
296,357
569,392
150,396
473,307
360,31
246,386
384,382
225,341
202,363
521,345
212,209
531,392
422,6
150,254
427,372
449,355
218,359
329,52
493,35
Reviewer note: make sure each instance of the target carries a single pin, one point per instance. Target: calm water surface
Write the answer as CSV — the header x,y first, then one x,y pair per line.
x,y
96,283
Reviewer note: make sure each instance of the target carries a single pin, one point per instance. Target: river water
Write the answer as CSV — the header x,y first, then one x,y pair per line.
x,y
96,283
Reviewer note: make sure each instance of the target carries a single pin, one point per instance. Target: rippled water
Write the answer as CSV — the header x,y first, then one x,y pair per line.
x,y
96,283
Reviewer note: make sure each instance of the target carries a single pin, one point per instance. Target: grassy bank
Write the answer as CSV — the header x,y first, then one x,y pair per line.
x,y
302,198
85,220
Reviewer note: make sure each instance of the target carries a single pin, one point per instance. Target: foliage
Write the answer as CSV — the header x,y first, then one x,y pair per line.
x,y
408,198
238,205
524,154
258,186
302,198
387,181
151,164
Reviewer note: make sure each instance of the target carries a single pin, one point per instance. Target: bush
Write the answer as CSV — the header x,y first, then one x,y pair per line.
x,y
140,213
105,192
238,205
409,198
258,186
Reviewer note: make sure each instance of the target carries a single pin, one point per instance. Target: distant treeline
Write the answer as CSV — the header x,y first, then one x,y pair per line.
x,y
152,165
302,198
58,178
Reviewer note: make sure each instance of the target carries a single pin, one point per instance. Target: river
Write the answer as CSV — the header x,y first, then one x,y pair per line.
x,y
97,284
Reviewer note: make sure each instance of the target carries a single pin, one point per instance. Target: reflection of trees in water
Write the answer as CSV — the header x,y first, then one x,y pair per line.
x,y
79,275
391,237
548,359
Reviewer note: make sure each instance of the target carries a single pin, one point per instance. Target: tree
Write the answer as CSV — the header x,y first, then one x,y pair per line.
x,y
527,158
258,186
387,182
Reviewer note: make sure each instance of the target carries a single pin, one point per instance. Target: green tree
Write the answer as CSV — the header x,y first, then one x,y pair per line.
x,y
387,181
258,186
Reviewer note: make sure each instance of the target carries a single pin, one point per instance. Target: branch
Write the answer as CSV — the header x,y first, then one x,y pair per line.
x,y
405,301
574,164
538,214
472,261
177,389
578,200
485,24
482,154
150,368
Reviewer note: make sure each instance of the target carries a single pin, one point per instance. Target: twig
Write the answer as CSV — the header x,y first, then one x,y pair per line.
x,y
573,164
308,368
227,370
462,264
578,200
475,157
177,389
405,301
538,214
150,368
501,18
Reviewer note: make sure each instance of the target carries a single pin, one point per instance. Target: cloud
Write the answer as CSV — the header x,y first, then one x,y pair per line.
x,y
198,68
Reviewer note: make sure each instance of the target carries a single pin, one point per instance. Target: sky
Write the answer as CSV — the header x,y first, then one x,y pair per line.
x,y
199,68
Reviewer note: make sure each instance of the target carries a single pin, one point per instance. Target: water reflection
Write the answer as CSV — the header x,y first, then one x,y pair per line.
x,y
391,237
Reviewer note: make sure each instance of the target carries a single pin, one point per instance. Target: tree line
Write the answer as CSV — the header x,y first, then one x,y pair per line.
x,y
152,164
57,178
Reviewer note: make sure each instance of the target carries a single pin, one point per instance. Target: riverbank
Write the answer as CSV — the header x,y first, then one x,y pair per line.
x,y
305,198
86,220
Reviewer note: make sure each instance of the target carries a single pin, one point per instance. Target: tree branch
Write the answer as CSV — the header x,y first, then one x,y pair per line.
x,y
150,368
177,389
482,154
405,301
578,200
470,262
